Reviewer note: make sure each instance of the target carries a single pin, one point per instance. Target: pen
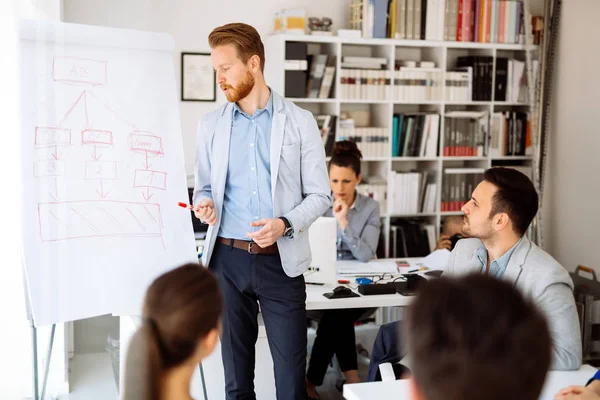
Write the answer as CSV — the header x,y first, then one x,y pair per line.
x,y
188,206
417,269
314,283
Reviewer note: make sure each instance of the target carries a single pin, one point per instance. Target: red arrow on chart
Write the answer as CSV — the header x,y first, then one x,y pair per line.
x,y
55,195
101,191
66,116
95,155
55,154
147,196
146,165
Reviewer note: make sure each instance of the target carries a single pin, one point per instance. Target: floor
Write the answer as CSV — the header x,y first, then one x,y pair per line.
x,y
91,377
328,390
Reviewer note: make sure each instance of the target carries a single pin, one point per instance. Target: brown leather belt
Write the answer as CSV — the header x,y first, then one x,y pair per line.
x,y
250,247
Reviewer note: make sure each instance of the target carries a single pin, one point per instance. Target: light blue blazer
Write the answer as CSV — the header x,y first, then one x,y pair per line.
x,y
299,179
541,278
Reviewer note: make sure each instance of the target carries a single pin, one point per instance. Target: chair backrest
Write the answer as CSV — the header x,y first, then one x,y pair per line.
x,y
134,379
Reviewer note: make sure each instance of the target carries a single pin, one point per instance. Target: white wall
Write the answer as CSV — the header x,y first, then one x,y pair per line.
x,y
190,22
39,9
573,217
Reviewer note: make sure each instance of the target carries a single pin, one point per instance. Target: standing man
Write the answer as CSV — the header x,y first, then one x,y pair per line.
x,y
261,181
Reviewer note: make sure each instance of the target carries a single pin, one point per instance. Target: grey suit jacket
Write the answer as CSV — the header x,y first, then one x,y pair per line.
x,y
299,180
540,277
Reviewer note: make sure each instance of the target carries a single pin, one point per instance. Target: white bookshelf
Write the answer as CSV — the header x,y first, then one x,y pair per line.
x,y
444,54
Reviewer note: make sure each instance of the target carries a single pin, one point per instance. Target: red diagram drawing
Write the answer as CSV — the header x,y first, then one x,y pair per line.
x,y
47,168
95,137
79,71
145,143
51,137
149,145
62,220
101,170
67,220
149,178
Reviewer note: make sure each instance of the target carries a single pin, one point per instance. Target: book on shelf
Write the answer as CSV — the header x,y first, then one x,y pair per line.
x,y
371,141
411,238
317,71
481,69
459,85
364,78
414,83
466,134
485,21
415,135
458,185
327,127
308,75
325,90
295,69
376,188
510,134
407,192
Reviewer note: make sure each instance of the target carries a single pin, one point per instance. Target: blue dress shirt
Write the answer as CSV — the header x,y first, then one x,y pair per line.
x,y
497,267
248,183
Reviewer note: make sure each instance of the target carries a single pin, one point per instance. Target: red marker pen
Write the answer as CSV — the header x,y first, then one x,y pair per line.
x,y
185,205
188,206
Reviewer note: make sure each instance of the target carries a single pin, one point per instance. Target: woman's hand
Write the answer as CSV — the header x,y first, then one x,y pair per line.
x,y
340,211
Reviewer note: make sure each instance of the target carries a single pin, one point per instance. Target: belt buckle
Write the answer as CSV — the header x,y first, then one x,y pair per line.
x,y
250,248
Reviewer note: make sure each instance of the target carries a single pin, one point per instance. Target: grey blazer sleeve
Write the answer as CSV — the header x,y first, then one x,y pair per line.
x,y
450,270
558,304
364,246
314,178
202,186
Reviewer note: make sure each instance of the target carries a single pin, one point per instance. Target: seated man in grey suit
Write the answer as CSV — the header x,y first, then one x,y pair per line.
x,y
496,218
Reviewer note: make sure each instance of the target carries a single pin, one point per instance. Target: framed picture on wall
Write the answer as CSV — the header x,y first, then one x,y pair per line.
x,y
198,78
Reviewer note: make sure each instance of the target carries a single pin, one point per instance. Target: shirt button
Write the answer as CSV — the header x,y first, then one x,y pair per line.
x,y
254,192
256,217
252,169
251,144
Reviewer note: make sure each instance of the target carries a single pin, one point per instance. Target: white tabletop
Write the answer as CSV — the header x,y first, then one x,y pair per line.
x,y
399,390
316,301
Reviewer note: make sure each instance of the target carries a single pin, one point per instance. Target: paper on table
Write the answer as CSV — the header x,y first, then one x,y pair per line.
x,y
437,260
357,268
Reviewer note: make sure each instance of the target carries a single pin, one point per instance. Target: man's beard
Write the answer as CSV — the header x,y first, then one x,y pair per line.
x,y
484,233
235,94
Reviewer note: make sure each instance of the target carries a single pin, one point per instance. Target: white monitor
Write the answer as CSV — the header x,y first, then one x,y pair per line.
x,y
322,236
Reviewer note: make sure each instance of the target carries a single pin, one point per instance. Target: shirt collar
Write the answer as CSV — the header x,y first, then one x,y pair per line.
x,y
268,108
500,264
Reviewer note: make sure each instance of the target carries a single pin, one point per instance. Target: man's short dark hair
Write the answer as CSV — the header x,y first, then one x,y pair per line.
x,y
477,338
515,196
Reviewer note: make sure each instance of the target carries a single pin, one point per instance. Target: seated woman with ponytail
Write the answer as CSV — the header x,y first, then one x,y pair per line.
x,y
180,327
358,228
